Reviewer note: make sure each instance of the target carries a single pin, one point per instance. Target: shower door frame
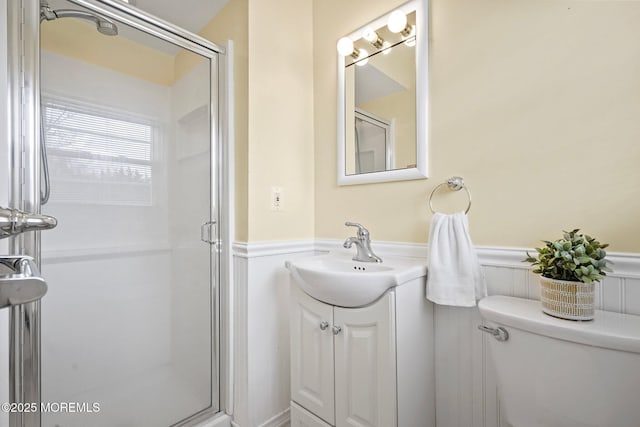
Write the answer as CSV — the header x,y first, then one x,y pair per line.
x,y
23,36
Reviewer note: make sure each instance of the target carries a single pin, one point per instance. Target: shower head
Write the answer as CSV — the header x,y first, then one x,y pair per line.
x,y
103,25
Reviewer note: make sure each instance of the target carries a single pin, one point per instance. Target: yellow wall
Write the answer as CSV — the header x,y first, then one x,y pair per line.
x,y
280,119
231,23
534,103
80,40
273,114
273,102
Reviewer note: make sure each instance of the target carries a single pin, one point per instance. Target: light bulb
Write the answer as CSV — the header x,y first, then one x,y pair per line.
x,y
363,58
345,46
397,21
369,35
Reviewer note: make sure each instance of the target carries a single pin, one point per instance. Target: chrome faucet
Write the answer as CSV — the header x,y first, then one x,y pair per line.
x,y
13,221
363,244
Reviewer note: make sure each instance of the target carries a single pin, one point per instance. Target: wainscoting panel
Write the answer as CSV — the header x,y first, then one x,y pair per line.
x,y
261,332
240,338
466,389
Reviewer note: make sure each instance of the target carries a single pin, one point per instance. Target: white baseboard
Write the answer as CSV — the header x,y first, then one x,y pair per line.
x,y
280,420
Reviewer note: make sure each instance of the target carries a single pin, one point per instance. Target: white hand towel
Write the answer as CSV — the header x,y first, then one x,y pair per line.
x,y
454,276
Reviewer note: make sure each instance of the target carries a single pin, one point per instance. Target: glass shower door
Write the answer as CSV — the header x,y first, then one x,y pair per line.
x,y
128,324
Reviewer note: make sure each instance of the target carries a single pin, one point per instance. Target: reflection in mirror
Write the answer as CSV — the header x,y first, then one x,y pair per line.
x,y
380,138
373,143
381,104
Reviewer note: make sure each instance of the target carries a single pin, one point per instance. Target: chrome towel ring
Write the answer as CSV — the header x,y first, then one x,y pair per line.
x,y
454,183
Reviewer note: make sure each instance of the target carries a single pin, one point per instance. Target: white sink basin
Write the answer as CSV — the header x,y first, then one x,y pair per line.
x,y
337,280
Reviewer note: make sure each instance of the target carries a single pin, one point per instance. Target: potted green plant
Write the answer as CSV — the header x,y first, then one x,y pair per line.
x,y
569,268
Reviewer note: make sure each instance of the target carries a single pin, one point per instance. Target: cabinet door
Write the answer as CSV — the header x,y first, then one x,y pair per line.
x,y
312,355
365,363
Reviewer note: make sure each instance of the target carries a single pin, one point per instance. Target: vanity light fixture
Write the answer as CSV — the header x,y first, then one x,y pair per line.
x,y
397,23
370,35
346,48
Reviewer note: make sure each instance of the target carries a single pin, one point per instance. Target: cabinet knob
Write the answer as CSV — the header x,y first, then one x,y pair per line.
x,y
324,325
336,330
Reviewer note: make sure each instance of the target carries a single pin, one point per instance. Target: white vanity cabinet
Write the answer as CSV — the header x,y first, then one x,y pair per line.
x,y
363,366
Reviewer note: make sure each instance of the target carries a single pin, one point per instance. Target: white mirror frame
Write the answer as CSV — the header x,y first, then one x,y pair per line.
x,y
422,96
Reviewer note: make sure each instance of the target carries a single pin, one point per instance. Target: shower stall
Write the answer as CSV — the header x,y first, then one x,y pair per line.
x,y
118,124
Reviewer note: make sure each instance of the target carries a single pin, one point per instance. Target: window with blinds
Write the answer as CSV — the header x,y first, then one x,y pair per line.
x,y
97,155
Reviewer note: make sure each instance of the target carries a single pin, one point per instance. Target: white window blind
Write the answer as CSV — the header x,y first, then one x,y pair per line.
x,y
97,155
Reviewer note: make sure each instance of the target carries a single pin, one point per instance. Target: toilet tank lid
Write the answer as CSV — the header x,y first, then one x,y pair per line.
x,y
608,329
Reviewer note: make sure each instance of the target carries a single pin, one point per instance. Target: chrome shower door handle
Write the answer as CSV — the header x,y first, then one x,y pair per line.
x,y
206,232
14,221
20,281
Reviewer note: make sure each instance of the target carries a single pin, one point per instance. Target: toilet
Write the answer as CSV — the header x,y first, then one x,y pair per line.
x,y
561,373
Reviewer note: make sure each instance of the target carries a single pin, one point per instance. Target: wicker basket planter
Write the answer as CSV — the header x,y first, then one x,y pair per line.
x,y
567,300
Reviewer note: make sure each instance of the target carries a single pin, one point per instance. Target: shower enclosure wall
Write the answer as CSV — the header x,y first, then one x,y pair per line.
x,y
132,121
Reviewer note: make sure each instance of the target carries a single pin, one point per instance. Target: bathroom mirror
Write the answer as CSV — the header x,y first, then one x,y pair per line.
x,y
382,105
